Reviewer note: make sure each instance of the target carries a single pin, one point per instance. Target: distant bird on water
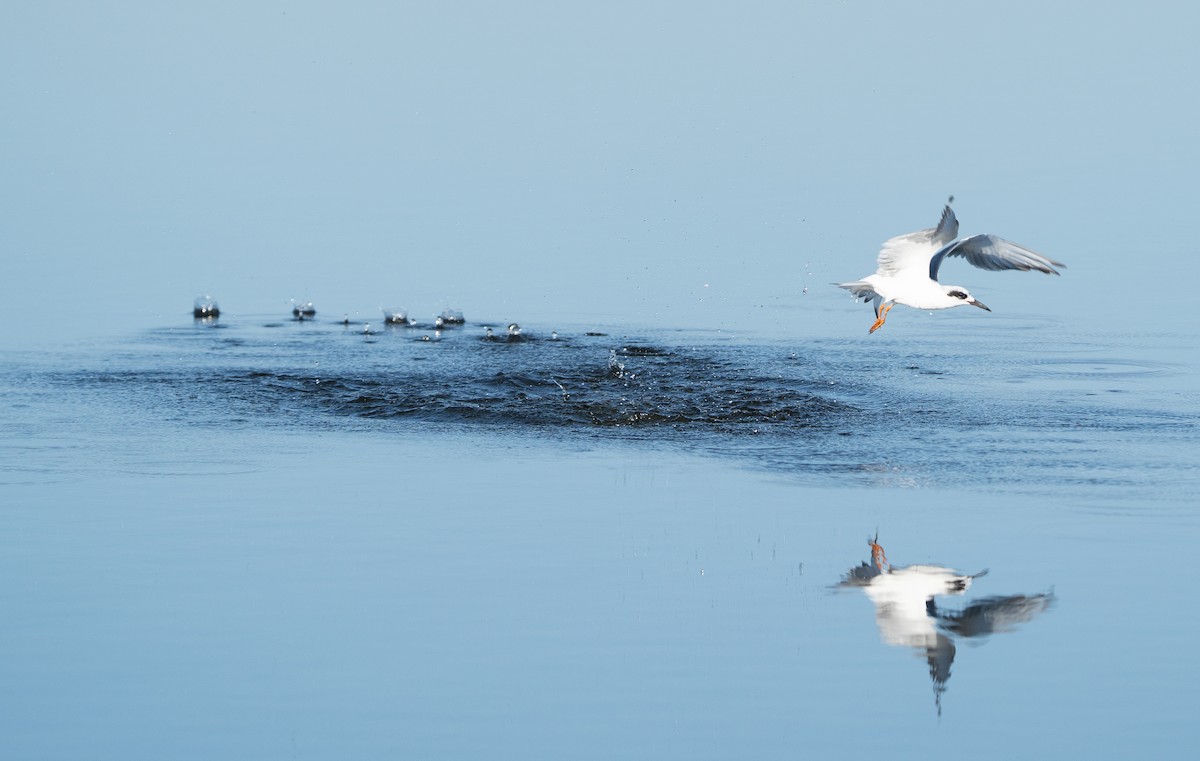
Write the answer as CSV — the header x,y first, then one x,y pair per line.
x,y
909,264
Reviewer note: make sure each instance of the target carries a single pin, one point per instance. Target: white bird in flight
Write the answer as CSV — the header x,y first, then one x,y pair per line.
x,y
909,264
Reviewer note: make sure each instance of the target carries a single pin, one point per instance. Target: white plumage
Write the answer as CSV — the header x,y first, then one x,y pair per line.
x,y
908,268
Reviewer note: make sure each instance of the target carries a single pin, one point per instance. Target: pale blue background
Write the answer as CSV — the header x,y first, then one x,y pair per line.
x,y
180,578
682,163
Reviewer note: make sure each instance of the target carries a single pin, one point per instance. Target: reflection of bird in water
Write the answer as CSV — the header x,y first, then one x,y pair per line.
x,y
908,616
992,614
908,268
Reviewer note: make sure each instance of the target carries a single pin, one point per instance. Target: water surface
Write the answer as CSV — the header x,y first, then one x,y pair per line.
x,y
275,539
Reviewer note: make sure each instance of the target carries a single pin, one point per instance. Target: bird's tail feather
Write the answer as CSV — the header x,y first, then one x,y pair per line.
x,y
860,288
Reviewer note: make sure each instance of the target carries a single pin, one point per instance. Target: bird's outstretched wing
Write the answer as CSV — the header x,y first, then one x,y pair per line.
x,y
947,229
907,253
989,252
911,252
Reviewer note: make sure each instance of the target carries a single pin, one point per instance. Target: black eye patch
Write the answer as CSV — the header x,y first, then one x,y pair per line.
x,y
956,294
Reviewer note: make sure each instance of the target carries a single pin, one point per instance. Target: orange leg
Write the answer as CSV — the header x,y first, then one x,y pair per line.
x,y
882,318
877,556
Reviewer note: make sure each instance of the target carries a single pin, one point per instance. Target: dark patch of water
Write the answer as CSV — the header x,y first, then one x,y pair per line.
x,y
915,414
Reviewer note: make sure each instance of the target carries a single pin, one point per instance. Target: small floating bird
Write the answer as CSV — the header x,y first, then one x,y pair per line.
x,y
909,264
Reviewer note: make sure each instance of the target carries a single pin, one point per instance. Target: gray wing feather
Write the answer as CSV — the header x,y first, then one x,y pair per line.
x,y
947,229
995,614
989,252
864,291
860,289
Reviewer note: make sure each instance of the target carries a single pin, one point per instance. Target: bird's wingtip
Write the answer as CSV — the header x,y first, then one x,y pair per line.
x,y
947,229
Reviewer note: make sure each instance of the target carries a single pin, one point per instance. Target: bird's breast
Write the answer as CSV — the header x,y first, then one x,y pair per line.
x,y
916,293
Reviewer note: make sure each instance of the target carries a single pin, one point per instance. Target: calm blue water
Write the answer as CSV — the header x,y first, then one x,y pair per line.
x,y
259,538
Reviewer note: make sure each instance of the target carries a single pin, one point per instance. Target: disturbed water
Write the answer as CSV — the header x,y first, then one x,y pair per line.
x,y
1014,416
258,537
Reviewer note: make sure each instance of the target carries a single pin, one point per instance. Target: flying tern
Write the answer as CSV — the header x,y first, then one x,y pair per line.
x,y
909,264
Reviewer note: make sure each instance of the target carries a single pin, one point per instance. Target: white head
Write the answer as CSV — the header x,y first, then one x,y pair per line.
x,y
958,293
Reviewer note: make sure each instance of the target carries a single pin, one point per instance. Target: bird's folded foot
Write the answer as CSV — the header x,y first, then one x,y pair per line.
x,y
882,318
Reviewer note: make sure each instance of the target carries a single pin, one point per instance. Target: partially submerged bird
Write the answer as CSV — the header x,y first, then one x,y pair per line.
x,y
909,264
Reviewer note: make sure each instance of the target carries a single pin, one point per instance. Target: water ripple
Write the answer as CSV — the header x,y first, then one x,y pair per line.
x,y
931,413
